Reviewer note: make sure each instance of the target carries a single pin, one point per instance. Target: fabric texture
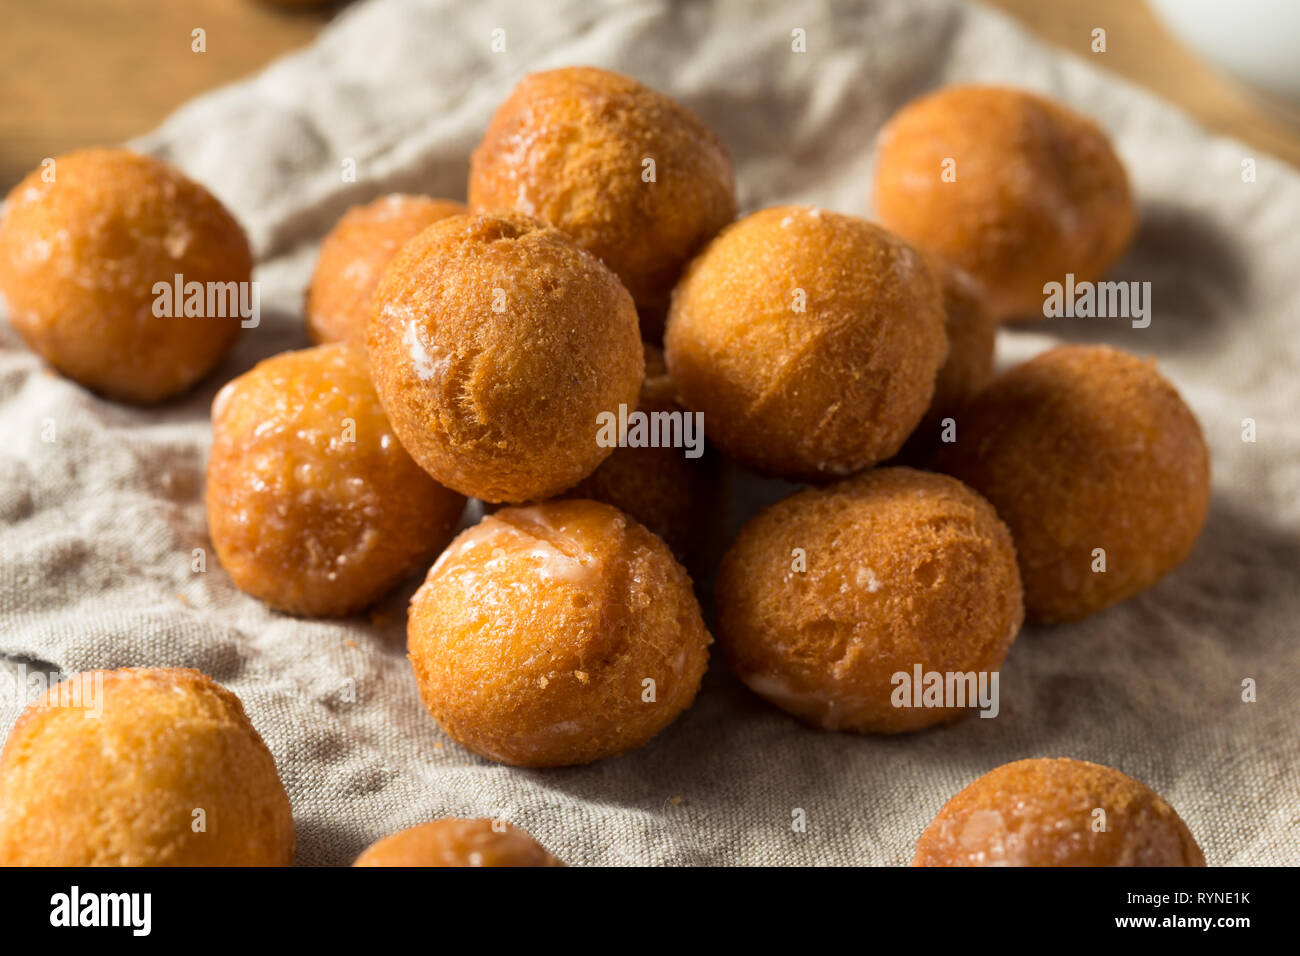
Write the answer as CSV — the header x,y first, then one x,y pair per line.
x,y
99,525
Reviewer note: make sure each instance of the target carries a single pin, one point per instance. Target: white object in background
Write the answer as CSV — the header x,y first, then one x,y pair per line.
x,y
1256,41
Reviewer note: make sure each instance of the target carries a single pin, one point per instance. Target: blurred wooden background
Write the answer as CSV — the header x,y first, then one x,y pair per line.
x,y
96,72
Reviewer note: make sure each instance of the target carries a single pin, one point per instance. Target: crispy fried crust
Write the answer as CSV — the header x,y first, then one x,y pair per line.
x,y
1081,448
569,146
536,631
1038,190
123,787
809,339
495,343
824,596
1044,812
313,505
683,500
353,258
453,842
79,258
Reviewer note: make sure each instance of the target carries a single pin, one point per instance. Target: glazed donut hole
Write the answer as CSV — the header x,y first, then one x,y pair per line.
x,y
1097,466
90,250
682,494
1011,187
313,505
454,842
1057,812
971,329
634,177
809,340
495,342
353,257
166,750
824,598
556,634
665,476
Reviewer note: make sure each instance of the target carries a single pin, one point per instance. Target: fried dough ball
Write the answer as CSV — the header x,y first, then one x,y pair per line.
x,y
353,258
451,842
495,343
1043,812
571,146
84,242
683,500
827,595
556,634
1085,448
1014,188
313,505
972,333
810,340
120,768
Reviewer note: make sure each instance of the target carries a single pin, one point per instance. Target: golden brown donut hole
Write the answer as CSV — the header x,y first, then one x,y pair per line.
x,y
453,842
683,500
827,595
1097,466
1013,188
353,257
971,329
810,340
495,344
82,255
571,147
556,634
313,505
1057,812
140,767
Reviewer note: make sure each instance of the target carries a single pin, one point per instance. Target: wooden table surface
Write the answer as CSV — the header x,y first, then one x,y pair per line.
x,y
96,72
